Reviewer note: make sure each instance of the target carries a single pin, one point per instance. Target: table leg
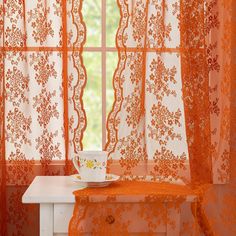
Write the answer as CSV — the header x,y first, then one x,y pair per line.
x,y
174,215
46,219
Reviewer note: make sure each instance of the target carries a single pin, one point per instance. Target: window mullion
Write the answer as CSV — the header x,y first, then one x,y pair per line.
x,y
103,40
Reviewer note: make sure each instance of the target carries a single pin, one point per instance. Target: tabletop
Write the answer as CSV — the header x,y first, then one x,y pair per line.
x,y
51,189
138,191
59,189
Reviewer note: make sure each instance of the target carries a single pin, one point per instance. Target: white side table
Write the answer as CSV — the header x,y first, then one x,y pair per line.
x,y
56,199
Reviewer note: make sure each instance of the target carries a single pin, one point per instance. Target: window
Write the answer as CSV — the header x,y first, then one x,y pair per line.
x,y
100,58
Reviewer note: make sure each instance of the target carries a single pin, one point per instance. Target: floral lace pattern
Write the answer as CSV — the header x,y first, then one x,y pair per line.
x,y
40,71
129,207
173,117
172,85
148,83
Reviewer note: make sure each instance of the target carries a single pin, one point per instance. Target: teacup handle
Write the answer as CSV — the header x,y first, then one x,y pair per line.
x,y
75,162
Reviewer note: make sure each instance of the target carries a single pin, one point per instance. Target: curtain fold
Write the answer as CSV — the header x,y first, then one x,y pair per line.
x,y
3,221
42,118
196,89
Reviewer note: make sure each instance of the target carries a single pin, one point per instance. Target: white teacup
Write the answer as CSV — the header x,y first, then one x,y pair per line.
x,y
91,165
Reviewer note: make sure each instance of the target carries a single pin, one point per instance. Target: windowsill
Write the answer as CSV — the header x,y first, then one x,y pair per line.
x,y
16,172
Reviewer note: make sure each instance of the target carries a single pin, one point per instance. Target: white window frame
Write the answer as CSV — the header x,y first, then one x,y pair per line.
x,y
103,49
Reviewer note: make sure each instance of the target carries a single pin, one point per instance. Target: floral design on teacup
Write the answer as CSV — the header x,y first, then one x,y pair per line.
x,y
91,164
109,177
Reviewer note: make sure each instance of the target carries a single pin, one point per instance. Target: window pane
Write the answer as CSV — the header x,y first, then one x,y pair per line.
x,y
112,22
93,101
112,60
92,17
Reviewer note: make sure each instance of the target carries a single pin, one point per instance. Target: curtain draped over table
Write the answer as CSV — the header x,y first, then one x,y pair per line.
x,y
173,117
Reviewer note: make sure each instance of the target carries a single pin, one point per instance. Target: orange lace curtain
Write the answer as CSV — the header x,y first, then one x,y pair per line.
x,y
41,111
173,120
172,110
174,113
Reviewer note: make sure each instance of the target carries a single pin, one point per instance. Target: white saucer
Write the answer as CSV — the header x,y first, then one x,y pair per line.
x,y
110,178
